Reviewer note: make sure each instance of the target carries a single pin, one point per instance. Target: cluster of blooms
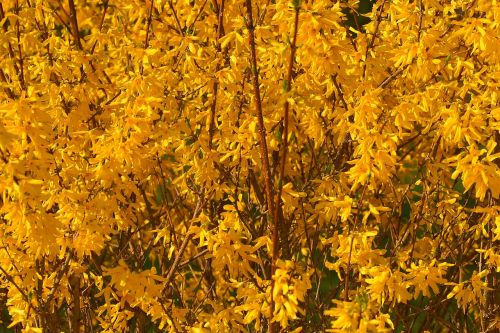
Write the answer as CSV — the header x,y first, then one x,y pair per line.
x,y
249,166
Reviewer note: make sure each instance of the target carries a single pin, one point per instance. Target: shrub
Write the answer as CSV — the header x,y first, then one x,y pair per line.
x,y
249,166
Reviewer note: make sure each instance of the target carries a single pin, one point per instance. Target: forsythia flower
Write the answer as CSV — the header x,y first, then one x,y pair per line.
x,y
243,166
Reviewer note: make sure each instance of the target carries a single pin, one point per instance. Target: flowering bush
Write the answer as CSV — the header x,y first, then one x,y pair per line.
x,y
249,166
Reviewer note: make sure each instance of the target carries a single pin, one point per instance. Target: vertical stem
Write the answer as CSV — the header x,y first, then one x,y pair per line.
x,y
75,313
374,35
262,144
140,321
11,49
105,5
348,267
213,107
347,271
76,32
260,118
74,23
19,50
185,242
287,86
177,22
148,28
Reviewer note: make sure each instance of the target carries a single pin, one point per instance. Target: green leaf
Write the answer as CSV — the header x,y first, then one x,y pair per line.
x,y
286,86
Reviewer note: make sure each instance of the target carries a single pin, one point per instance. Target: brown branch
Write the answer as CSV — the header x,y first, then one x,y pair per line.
x,y
260,118
74,23
390,78
11,49
7,90
105,4
59,275
40,269
61,6
348,268
19,50
148,28
277,219
288,83
193,258
75,319
374,35
256,188
262,141
213,107
177,22
185,242
54,11
448,29
420,19
11,280
190,28
262,16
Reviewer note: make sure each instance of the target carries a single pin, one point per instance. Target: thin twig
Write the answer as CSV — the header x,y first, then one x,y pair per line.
x,y
148,28
276,219
11,280
105,4
262,136
19,50
213,107
74,23
177,22
185,242
374,35
348,268
59,275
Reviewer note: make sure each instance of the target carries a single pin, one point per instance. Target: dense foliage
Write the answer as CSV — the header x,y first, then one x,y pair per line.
x,y
249,166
